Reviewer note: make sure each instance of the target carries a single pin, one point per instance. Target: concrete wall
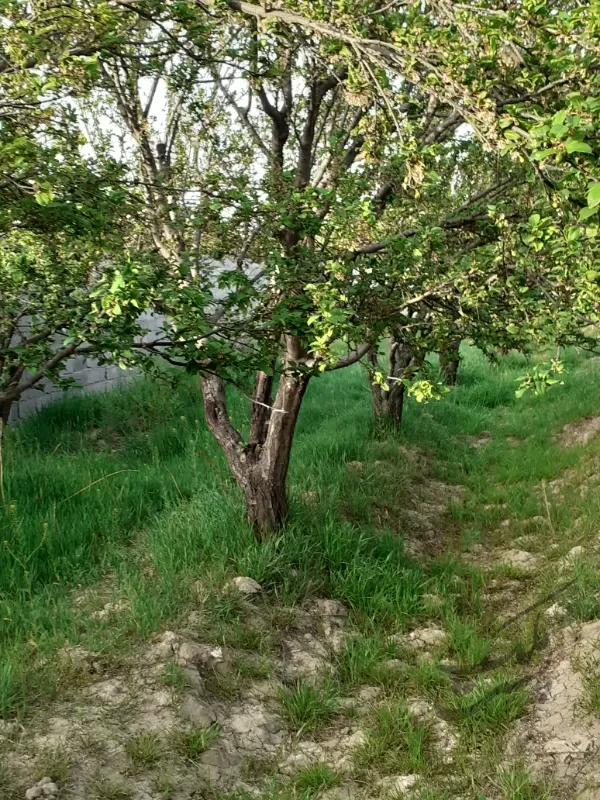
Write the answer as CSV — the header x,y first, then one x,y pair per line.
x,y
87,373
90,376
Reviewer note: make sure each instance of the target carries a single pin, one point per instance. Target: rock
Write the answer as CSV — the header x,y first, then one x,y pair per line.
x,y
421,710
369,694
355,466
193,678
333,616
198,655
397,785
44,788
246,586
572,556
555,611
331,608
426,637
519,558
111,691
199,714
164,649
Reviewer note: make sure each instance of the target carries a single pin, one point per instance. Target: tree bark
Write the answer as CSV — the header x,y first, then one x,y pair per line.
x,y
5,407
450,361
260,466
388,404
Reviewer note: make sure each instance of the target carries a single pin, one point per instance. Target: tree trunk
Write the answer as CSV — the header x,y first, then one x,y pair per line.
x,y
259,466
5,407
449,362
388,404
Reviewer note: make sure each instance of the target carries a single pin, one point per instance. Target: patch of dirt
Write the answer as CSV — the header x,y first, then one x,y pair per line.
x,y
561,735
165,692
579,433
425,520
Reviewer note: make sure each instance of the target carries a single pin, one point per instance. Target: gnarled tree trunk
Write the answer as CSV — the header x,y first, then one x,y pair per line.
x,y
450,361
388,404
260,465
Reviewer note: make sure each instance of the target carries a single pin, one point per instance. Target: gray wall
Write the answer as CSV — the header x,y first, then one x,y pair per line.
x,y
90,376
87,373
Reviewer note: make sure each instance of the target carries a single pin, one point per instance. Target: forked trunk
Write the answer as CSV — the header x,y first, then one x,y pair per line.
x,y
388,404
259,466
450,361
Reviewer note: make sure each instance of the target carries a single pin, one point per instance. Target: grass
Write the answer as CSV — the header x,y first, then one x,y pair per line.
x,y
144,749
127,496
308,708
192,743
516,783
490,706
316,778
106,789
470,648
55,763
395,743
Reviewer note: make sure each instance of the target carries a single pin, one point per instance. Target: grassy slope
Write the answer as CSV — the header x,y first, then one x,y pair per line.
x,y
172,514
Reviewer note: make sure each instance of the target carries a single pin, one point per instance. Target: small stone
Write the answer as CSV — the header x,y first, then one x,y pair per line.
x,y
355,466
421,710
572,556
396,785
519,558
199,714
164,649
331,608
246,586
45,781
427,637
50,790
556,611
34,792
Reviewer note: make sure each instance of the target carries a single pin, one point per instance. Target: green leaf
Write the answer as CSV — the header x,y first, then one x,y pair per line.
x,y
593,195
585,213
575,146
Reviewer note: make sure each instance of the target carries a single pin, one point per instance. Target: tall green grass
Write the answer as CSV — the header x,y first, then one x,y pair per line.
x,y
127,494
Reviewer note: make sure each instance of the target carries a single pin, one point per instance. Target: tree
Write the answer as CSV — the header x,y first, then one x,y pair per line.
x,y
293,138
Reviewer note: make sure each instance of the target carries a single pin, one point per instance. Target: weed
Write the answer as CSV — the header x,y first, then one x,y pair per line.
x,y
174,676
247,669
256,767
307,707
471,648
195,741
395,741
144,749
516,783
490,706
361,659
583,599
591,683
427,678
106,789
55,763
165,786
316,778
